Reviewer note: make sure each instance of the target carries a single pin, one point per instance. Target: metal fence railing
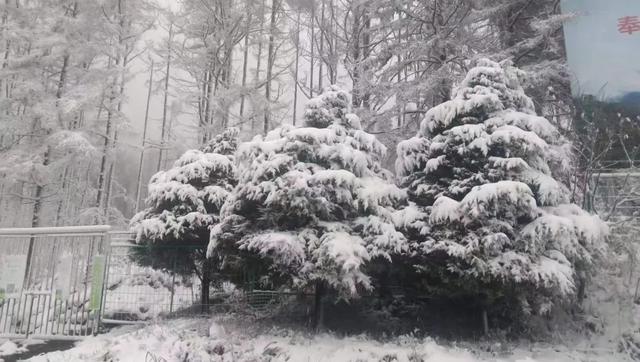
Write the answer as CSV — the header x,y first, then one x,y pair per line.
x,y
616,194
146,282
51,281
143,284
64,282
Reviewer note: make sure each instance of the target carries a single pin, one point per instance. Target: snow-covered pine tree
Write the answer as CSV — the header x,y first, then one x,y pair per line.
x,y
183,203
313,203
486,172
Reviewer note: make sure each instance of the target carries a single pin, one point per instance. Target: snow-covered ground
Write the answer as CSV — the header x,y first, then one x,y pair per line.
x,y
243,339
217,340
8,348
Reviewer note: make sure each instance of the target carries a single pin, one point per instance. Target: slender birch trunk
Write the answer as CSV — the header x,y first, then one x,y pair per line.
x,y
258,59
144,141
275,4
245,63
163,140
321,50
313,44
297,70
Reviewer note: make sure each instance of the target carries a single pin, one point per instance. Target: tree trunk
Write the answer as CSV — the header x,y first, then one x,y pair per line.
x,y
208,109
64,186
333,71
366,52
226,80
112,166
318,312
207,267
61,83
165,100
107,144
109,185
144,141
296,76
355,55
270,60
202,105
485,321
245,63
582,283
37,206
321,50
313,39
36,218
258,62
87,185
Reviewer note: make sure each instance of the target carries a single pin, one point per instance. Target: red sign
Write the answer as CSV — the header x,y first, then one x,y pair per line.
x,y
629,24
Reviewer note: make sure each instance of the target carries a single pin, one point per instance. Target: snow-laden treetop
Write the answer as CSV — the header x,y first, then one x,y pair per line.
x,y
491,129
184,201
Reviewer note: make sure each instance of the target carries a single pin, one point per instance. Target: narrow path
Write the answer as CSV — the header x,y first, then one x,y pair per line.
x,y
39,348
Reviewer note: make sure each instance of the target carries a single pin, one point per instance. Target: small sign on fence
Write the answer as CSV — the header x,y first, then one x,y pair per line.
x,y
12,269
63,278
97,282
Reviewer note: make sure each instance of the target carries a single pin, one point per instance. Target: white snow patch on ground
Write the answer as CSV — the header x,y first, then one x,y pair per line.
x,y
10,347
204,340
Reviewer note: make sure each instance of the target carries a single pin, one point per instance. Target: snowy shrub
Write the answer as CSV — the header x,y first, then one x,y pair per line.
x,y
313,203
490,216
183,203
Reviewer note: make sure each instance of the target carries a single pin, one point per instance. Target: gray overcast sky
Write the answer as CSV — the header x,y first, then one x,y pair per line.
x,y
599,55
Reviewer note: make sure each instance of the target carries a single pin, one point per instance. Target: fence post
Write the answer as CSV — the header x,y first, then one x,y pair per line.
x,y
106,237
32,240
29,318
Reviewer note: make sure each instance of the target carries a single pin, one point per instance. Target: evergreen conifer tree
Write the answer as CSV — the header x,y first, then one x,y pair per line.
x,y
313,204
184,202
492,217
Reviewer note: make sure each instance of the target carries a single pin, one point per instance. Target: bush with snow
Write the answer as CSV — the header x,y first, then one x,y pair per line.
x,y
491,215
183,203
313,204
185,200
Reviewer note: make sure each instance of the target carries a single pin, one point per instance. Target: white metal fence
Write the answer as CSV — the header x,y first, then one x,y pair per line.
x,y
141,290
52,281
144,284
64,282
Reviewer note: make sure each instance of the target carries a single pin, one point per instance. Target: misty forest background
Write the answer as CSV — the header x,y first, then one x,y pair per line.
x,y
98,95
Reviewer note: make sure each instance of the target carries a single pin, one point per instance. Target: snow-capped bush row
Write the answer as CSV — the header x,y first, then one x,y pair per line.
x,y
478,208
